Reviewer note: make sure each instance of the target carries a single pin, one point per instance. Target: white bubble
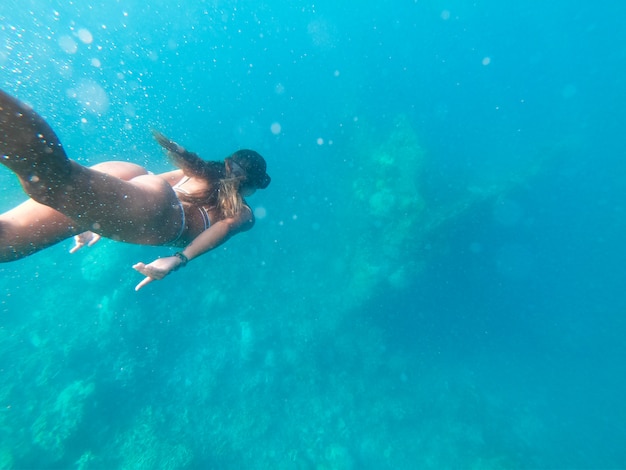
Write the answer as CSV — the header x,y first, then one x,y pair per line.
x,y
445,15
129,110
90,96
96,63
275,128
85,36
486,60
68,44
320,141
260,212
336,73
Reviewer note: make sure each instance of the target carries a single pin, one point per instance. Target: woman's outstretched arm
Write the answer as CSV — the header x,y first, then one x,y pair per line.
x,y
211,238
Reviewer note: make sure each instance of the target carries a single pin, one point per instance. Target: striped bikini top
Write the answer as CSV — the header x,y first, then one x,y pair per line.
x,y
203,211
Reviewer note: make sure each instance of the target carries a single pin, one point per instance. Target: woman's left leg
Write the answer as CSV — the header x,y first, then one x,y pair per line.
x,y
144,210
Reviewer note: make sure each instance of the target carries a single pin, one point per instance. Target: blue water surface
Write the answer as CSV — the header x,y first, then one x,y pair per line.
x,y
436,276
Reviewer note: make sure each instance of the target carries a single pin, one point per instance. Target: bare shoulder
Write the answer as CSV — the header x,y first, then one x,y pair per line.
x,y
241,222
246,218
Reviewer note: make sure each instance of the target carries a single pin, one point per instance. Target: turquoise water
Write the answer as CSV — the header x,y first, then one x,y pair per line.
x,y
436,276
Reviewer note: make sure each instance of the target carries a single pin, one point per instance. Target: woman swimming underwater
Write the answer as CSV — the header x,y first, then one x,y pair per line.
x,y
196,207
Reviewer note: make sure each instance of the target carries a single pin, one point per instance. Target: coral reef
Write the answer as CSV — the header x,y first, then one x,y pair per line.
x,y
57,423
231,367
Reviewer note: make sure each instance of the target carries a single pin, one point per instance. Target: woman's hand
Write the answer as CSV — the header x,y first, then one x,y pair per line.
x,y
157,270
85,238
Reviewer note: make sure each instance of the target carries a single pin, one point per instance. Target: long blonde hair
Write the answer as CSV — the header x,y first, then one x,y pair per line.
x,y
229,202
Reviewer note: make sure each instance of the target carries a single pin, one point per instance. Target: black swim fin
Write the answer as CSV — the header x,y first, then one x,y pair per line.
x,y
28,145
